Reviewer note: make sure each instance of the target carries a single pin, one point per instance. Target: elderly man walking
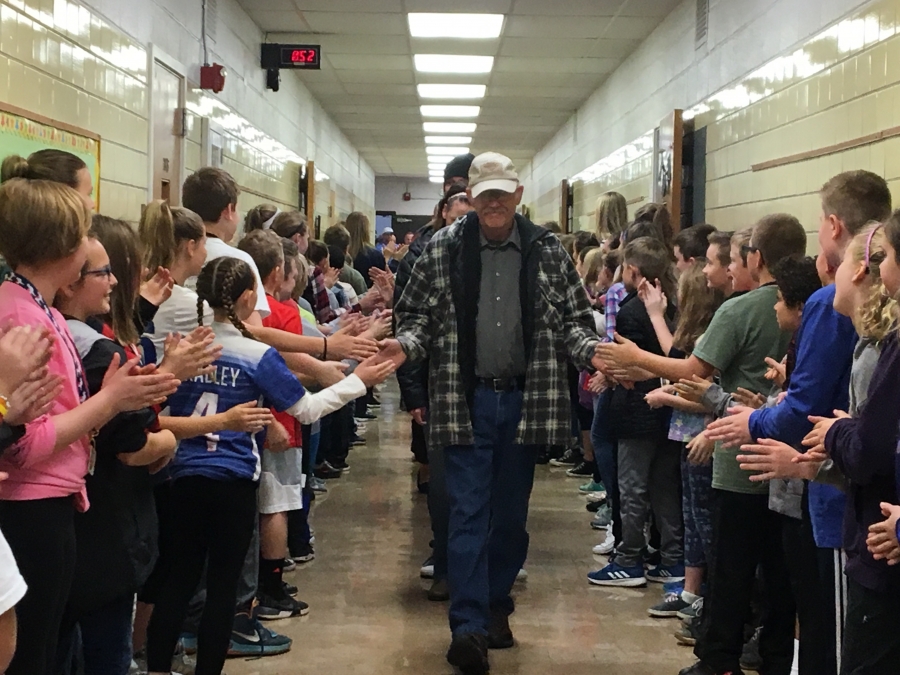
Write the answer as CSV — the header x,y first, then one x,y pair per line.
x,y
495,303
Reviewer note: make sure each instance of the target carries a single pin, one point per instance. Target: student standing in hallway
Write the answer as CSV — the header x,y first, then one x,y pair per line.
x,y
496,304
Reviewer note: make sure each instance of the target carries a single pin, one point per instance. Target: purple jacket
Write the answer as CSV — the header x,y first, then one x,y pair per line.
x,y
864,449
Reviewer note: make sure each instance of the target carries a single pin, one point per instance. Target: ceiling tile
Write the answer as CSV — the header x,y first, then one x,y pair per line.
x,y
550,58
528,64
362,23
367,62
488,6
570,7
557,26
290,20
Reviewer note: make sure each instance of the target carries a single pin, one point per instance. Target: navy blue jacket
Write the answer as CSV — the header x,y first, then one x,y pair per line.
x,y
864,449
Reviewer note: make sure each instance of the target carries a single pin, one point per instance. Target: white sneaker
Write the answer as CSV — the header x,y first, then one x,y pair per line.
x,y
607,546
596,496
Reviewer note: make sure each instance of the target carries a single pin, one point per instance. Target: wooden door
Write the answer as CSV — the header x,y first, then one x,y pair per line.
x,y
166,118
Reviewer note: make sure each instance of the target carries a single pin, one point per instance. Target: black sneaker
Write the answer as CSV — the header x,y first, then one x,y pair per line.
x,y
669,607
581,470
272,608
750,658
357,441
499,633
594,507
304,554
289,565
570,457
340,465
468,652
701,668
326,472
289,589
439,591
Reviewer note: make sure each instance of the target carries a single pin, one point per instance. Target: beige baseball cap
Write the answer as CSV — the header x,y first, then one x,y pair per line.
x,y
492,171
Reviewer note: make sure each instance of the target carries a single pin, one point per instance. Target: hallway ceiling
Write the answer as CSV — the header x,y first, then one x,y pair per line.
x,y
550,57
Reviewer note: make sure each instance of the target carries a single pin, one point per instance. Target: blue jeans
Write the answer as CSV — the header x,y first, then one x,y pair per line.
x,y
606,457
100,639
489,485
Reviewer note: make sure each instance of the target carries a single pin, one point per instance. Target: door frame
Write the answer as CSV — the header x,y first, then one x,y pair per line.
x,y
157,55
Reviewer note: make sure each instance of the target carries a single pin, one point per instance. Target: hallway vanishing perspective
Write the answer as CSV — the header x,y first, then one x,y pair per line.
x,y
369,615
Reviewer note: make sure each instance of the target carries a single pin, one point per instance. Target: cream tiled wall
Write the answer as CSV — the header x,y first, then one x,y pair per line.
x,y
627,171
86,65
841,85
669,71
61,61
546,206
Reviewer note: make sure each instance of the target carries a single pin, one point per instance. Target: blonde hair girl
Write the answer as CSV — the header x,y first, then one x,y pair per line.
x,y
859,289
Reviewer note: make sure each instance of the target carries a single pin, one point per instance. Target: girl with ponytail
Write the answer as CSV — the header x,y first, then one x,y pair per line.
x,y
215,477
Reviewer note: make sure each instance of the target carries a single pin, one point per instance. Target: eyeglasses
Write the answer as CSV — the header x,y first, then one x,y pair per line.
x,y
105,271
747,249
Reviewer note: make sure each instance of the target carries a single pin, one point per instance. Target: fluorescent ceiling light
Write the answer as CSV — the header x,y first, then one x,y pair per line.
x,y
468,26
449,140
436,179
440,158
440,174
452,90
435,166
446,149
450,110
453,63
449,127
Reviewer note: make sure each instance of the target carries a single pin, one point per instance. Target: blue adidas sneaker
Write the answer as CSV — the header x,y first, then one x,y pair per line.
x,y
616,575
662,574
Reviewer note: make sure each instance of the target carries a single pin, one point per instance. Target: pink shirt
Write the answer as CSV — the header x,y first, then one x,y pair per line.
x,y
35,470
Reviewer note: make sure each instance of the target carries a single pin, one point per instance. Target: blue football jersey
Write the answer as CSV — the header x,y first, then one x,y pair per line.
x,y
246,371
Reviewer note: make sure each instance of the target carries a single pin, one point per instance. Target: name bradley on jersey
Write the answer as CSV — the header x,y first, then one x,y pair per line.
x,y
224,376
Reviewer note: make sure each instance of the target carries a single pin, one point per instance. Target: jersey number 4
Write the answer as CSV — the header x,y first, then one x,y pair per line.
x,y
208,404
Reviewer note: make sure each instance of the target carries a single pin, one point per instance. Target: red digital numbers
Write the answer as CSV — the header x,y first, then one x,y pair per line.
x,y
303,56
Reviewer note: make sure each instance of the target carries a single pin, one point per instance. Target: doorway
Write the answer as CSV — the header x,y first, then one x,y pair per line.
x,y
167,122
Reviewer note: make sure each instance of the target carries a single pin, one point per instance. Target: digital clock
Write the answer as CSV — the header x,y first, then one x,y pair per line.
x,y
300,57
275,56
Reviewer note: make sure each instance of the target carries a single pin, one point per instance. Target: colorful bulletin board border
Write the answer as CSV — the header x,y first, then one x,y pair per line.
x,y
23,132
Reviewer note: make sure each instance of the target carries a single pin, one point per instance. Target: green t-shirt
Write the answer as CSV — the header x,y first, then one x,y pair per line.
x,y
743,332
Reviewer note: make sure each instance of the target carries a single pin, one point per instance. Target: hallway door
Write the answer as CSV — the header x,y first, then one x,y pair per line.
x,y
168,102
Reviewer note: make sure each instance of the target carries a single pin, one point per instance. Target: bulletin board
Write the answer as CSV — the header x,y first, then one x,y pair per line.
x,y
22,133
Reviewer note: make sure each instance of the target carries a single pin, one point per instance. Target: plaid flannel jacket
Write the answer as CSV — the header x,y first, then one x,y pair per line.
x,y
436,318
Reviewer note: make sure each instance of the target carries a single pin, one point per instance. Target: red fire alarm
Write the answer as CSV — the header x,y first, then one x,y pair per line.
x,y
213,77
407,197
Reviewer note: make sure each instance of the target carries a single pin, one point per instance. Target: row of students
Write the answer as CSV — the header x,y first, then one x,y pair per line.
x,y
787,468
84,435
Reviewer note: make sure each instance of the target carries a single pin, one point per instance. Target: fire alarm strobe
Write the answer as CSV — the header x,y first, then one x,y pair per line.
x,y
213,77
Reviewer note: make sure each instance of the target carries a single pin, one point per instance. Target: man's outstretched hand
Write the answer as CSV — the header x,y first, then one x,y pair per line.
x,y
390,350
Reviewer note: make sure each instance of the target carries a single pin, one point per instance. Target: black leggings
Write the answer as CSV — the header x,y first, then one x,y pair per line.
x,y
214,525
41,534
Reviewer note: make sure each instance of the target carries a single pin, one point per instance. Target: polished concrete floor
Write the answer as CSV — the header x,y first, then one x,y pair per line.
x,y
369,614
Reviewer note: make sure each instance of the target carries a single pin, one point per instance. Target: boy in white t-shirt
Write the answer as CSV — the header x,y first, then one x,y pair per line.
x,y
212,194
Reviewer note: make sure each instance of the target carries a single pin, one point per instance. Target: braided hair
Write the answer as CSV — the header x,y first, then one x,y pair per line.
x,y
220,284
